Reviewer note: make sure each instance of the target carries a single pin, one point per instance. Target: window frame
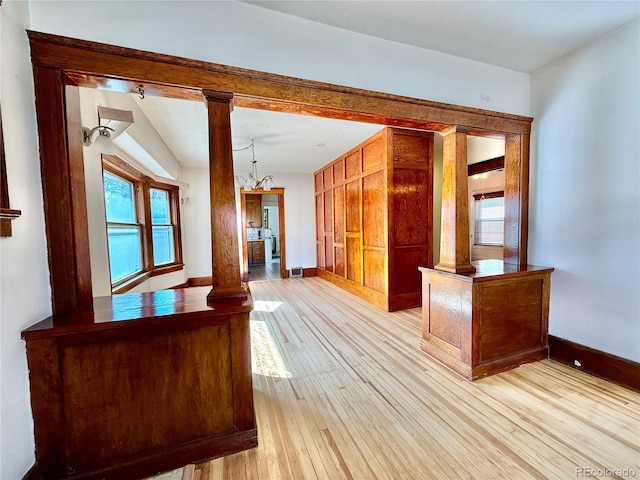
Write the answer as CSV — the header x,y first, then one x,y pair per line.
x,y
138,223
142,191
477,197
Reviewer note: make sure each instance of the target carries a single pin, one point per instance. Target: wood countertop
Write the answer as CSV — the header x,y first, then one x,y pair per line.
x,y
140,310
491,269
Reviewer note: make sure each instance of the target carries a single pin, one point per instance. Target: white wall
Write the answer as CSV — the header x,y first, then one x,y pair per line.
x,y
196,219
585,192
25,295
299,217
239,34
480,149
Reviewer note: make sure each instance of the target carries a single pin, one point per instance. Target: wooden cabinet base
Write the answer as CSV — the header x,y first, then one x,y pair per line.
x,y
486,322
162,460
149,383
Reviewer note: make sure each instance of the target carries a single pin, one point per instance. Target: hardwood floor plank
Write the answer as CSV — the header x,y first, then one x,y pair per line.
x,y
342,391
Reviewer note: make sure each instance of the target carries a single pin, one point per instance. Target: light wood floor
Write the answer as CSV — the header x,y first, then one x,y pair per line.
x,y
342,391
266,271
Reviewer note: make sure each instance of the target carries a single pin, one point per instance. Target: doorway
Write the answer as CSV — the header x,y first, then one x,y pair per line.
x,y
263,234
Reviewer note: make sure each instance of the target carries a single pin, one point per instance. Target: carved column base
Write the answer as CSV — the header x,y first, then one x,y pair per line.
x,y
449,267
219,294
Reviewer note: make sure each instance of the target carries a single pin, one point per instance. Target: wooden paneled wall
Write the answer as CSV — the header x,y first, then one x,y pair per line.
x,y
374,211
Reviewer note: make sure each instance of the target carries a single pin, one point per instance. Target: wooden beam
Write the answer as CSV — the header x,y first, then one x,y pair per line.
x,y
486,166
455,255
225,262
88,61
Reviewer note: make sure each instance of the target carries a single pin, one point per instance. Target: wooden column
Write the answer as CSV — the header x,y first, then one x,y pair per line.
x,y
65,203
225,267
455,255
516,198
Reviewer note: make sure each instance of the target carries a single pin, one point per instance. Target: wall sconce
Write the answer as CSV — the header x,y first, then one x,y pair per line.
x,y
117,121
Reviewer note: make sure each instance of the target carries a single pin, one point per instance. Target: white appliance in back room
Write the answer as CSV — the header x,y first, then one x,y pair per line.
x,y
268,244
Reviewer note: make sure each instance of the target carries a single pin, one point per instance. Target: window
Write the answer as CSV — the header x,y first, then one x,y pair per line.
x,y
163,250
143,231
489,222
124,233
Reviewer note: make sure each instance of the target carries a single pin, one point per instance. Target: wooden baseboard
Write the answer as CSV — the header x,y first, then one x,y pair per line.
x,y
200,281
404,301
306,272
604,365
376,298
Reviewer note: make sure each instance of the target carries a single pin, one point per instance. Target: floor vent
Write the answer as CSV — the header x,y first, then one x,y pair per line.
x,y
296,272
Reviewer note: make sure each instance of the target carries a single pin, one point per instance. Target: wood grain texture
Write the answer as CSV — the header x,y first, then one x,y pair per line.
x,y
374,153
254,210
342,392
387,204
516,199
100,377
455,254
225,264
150,381
486,322
353,206
62,169
374,210
486,166
353,164
338,215
339,268
354,258
174,76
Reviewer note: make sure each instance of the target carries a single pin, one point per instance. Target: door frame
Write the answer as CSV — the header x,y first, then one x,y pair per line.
x,y
284,273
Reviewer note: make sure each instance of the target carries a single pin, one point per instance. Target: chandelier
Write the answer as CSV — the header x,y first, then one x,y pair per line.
x,y
253,182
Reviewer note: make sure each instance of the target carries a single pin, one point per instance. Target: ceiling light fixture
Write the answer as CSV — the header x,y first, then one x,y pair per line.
x,y
117,121
252,182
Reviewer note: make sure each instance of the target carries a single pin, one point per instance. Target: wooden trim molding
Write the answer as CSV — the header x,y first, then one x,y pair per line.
x,y
486,166
478,196
87,63
604,365
279,191
6,213
199,281
306,272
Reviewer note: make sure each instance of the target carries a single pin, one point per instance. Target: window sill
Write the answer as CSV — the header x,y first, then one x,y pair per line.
x,y
141,277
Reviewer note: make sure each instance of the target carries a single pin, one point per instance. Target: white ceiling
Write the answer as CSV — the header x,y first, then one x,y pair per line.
x,y
283,142
520,35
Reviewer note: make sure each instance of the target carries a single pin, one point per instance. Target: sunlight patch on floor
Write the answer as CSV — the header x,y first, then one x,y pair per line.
x,y
265,356
265,306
